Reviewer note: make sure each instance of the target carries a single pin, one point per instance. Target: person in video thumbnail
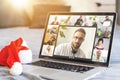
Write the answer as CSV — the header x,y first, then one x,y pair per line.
x,y
106,33
79,21
98,56
55,22
51,41
99,45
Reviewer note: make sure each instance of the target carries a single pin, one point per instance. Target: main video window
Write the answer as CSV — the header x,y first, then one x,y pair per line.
x,y
75,42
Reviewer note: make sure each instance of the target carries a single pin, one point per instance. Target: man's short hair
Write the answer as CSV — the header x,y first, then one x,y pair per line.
x,y
80,30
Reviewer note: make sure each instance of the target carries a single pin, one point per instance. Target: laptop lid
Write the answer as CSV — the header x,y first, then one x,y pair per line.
x,y
82,37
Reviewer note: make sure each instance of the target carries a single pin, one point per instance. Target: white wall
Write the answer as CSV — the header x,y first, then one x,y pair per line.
x,y
82,5
90,5
107,5
106,8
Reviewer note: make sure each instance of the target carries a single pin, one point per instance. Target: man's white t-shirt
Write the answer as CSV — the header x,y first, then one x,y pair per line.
x,y
66,50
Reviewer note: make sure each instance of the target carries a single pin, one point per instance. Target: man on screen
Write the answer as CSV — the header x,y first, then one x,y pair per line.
x,y
72,49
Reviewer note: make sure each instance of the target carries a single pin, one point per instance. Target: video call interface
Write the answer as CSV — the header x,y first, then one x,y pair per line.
x,y
78,37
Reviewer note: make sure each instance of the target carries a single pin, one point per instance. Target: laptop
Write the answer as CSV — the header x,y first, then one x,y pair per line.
x,y
76,46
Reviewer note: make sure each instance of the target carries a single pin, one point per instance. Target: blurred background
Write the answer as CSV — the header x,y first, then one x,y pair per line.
x,y
33,13
26,19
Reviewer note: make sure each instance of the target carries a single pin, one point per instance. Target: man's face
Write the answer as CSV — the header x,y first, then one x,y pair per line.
x,y
77,40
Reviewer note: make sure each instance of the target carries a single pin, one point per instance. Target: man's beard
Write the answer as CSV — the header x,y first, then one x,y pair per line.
x,y
74,48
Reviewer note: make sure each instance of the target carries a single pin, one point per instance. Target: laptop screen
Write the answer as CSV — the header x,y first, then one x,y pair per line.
x,y
79,36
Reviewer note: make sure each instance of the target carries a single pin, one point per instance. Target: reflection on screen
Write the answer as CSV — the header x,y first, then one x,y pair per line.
x,y
61,39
